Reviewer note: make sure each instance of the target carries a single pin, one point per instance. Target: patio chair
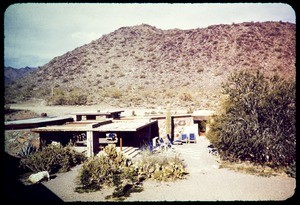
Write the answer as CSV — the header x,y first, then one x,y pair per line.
x,y
111,137
184,138
192,138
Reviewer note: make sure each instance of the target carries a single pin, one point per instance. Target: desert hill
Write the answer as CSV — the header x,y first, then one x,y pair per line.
x,y
146,66
13,74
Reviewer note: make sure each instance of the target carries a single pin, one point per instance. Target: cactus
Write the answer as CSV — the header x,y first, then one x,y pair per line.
x,y
26,150
161,167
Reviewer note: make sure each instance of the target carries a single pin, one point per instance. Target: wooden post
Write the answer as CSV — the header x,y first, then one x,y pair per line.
x,y
168,121
121,144
172,128
89,142
92,143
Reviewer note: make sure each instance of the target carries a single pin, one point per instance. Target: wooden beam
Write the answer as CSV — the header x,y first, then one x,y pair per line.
x,y
121,143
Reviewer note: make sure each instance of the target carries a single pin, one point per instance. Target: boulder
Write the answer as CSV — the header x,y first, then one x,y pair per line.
x,y
37,177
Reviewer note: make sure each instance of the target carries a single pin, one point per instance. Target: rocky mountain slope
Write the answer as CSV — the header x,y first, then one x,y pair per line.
x,y
13,74
146,66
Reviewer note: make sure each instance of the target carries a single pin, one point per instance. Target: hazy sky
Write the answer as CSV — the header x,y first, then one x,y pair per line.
x,y
35,33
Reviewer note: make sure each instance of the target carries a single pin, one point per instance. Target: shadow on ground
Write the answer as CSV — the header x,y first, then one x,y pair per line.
x,y
16,191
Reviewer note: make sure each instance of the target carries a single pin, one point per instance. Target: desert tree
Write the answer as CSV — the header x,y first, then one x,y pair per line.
x,y
256,121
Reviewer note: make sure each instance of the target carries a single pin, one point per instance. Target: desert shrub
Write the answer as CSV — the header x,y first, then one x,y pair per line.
x,y
111,169
77,97
115,66
60,97
53,158
115,92
186,96
160,167
257,120
190,110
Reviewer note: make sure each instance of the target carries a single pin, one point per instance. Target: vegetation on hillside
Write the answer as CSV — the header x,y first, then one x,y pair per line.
x,y
146,66
257,121
73,97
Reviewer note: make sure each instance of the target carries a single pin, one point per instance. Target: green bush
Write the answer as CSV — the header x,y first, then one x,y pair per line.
x,y
53,158
257,120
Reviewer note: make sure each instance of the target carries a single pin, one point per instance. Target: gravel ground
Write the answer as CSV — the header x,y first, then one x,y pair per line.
x,y
205,182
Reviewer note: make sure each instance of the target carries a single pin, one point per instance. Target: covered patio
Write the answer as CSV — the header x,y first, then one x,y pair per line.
x,y
93,134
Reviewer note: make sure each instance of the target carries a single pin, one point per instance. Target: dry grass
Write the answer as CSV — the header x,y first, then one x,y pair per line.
x,y
250,168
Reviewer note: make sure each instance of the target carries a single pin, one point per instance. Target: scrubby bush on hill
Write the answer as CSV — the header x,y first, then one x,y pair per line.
x,y
257,120
61,97
58,97
53,158
77,97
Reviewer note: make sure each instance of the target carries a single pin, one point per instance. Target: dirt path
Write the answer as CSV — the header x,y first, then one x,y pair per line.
x,y
205,182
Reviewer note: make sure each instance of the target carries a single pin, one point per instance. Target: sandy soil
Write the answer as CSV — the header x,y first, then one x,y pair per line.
x,y
205,182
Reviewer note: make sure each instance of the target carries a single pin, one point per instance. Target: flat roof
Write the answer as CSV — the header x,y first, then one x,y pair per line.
x,y
72,126
104,126
164,116
36,120
97,112
124,125
58,128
